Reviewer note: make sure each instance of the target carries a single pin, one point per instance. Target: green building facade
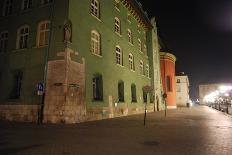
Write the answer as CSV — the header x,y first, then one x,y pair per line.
x,y
95,59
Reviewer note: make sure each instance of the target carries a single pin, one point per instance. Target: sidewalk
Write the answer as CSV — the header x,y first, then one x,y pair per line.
x,y
196,131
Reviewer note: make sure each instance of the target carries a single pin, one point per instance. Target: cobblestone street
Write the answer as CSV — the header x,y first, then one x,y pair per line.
x,y
197,131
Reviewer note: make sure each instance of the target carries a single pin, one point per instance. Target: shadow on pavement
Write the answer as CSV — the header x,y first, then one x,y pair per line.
x,y
11,151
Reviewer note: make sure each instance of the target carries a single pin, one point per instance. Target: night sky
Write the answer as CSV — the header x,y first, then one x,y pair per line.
x,y
199,34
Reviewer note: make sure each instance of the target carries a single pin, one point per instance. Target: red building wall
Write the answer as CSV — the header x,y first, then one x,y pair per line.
x,y
167,64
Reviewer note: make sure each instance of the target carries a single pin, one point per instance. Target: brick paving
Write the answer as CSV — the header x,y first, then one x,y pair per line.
x,y
187,131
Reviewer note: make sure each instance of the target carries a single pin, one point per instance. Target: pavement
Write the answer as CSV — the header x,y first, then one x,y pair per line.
x,y
197,130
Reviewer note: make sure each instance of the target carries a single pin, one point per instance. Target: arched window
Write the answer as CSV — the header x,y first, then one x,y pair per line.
x,y
95,8
130,38
7,8
26,4
3,41
141,67
22,37
119,58
117,25
97,87
131,62
140,45
43,33
121,91
133,93
95,42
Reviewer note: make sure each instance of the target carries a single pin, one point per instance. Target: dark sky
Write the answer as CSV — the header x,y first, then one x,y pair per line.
x,y
199,34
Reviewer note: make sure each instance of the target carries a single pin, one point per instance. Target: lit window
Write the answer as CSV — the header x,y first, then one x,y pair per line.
x,y
117,27
43,33
131,62
95,43
95,8
140,45
26,4
133,93
3,41
141,67
121,91
22,37
44,2
147,70
119,56
116,4
7,9
130,39
97,87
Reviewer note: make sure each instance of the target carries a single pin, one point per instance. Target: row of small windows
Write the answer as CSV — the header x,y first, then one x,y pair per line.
x,y
23,36
26,4
98,90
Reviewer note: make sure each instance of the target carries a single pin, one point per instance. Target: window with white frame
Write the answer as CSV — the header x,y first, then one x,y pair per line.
x,y
117,25
44,2
117,5
95,42
22,37
141,68
43,33
26,4
140,45
8,7
131,62
147,70
130,39
95,8
119,58
3,41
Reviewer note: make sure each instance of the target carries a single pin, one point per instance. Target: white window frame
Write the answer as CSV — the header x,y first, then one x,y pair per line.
x,y
7,8
117,26
130,38
141,67
131,62
119,55
22,38
140,45
95,9
147,70
43,32
4,35
95,43
27,4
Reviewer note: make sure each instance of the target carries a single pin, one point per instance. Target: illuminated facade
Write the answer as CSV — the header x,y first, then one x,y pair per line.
x,y
94,57
182,90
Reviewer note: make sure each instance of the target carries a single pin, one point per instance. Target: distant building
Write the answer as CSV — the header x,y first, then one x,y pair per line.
x,y
206,89
167,63
182,90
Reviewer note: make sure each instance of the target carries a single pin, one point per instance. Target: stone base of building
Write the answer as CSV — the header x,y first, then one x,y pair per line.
x,y
19,113
171,107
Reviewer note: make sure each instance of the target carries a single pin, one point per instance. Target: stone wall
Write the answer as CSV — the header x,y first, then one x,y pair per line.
x,y
20,113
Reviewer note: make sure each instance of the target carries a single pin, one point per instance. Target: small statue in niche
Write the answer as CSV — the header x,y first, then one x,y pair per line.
x,y
67,32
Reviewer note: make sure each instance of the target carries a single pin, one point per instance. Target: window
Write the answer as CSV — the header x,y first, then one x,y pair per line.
x,y
145,49
44,2
144,97
117,25
178,81
147,71
97,87
121,91
3,41
26,4
141,67
95,8
131,62
119,59
169,83
133,93
139,28
140,45
43,33
22,36
130,39
17,85
7,9
95,43
116,4
129,18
